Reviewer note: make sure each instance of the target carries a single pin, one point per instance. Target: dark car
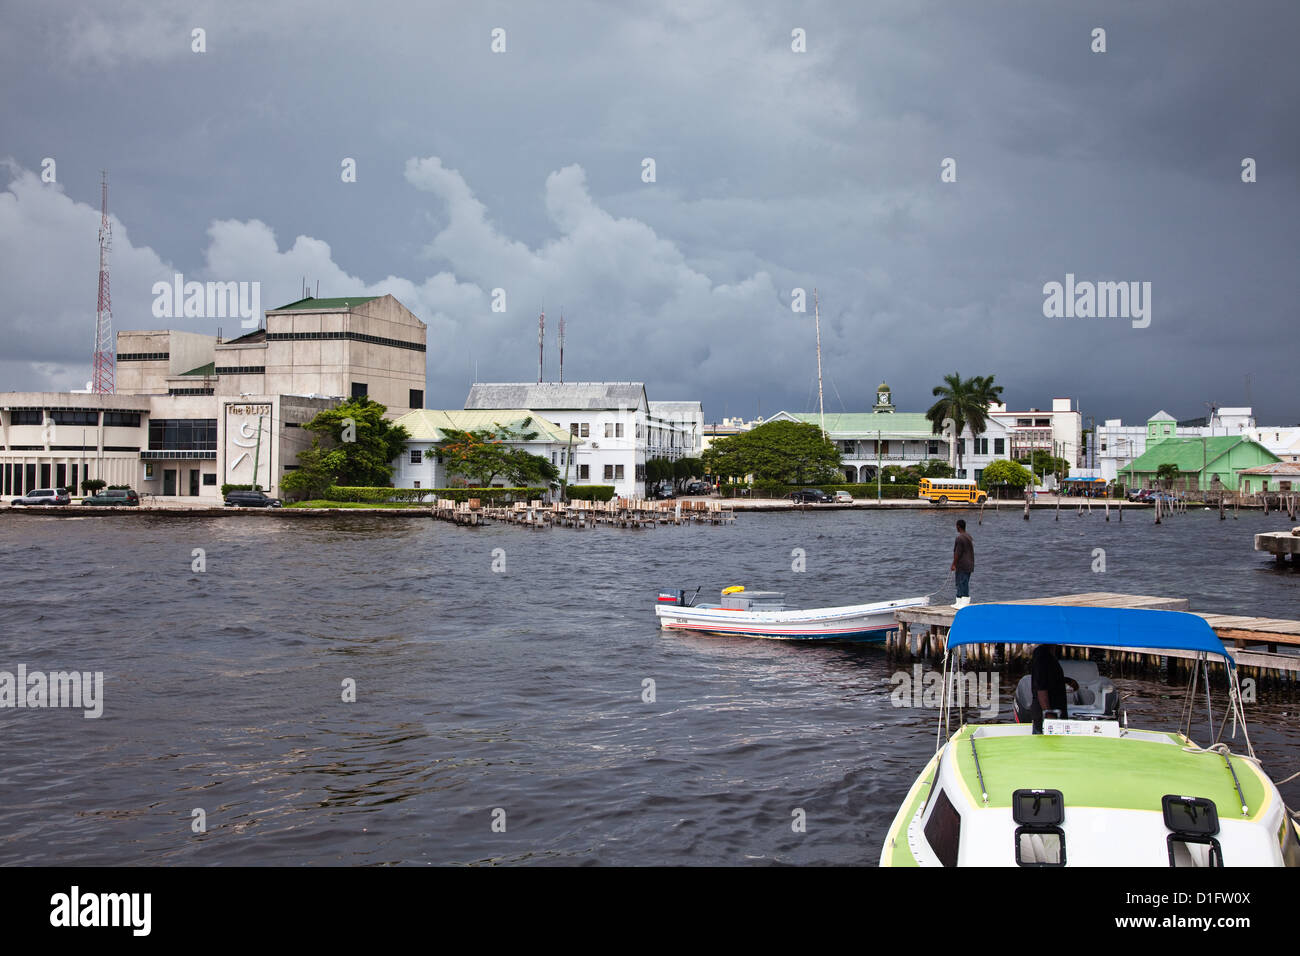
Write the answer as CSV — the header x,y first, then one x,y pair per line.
x,y
112,497
44,496
699,488
809,496
1142,494
251,499
663,492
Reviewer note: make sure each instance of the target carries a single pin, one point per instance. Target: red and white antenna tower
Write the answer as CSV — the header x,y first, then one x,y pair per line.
x,y
104,347
541,331
561,346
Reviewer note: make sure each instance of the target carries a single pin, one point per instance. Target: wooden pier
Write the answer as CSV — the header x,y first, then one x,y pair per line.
x,y
616,513
1256,642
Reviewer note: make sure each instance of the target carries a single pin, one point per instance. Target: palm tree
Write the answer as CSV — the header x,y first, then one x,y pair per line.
x,y
966,402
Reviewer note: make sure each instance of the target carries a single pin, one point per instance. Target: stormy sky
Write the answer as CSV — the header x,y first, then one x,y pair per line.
x,y
773,170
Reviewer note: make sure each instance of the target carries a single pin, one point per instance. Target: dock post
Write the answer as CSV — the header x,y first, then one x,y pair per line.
x,y
1108,509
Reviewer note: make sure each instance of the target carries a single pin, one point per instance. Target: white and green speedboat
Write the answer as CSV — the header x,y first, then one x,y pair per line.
x,y
1091,792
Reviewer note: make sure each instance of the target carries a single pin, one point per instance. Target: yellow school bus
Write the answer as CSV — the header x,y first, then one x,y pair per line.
x,y
945,490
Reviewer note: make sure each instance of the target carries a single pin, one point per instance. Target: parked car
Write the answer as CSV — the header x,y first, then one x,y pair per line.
x,y
699,488
1140,494
44,496
251,499
110,497
809,496
663,492
843,497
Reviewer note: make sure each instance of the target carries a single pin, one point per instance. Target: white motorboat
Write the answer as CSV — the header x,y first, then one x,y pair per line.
x,y
764,614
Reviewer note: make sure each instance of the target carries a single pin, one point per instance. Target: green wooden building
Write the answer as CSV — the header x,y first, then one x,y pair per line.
x,y
1203,463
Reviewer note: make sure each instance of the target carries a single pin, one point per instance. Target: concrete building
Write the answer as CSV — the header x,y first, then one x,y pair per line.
x,y
1057,431
1281,476
610,419
192,413
421,465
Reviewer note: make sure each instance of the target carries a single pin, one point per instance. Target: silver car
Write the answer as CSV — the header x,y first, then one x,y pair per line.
x,y
44,496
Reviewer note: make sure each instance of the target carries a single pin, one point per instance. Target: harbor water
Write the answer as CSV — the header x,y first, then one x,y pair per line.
x,y
515,700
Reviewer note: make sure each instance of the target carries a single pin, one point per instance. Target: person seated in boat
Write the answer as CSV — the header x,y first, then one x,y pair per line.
x,y
1047,685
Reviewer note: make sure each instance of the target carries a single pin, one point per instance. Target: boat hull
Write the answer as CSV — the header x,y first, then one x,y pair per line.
x,y
860,622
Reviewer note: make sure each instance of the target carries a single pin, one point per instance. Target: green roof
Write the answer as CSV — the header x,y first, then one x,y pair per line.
x,y
428,424
866,424
312,305
1189,454
204,370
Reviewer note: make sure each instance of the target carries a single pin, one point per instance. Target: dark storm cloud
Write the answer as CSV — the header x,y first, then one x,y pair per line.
x,y
775,170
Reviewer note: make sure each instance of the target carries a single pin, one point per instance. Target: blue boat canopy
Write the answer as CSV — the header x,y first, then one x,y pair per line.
x,y
1084,627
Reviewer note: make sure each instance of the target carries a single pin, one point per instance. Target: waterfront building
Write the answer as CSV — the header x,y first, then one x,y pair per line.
x,y
193,412
610,420
1119,444
726,428
676,430
1278,476
1057,431
1204,463
869,441
421,465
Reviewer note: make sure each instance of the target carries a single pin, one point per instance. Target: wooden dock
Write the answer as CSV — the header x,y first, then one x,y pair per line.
x,y
1257,643
617,513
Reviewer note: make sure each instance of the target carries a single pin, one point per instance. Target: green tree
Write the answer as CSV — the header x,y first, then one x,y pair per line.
x,y
1044,463
1167,473
790,452
1003,472
966,402
480,455
352,444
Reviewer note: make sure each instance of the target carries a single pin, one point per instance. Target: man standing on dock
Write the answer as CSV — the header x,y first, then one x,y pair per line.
x,y
963,563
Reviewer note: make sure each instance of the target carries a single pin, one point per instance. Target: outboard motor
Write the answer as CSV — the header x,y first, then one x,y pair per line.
x,y
676,597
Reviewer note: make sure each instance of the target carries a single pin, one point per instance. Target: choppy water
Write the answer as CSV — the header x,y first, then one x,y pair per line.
x,y
519,690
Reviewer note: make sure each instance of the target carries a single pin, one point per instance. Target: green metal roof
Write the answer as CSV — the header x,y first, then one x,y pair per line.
x,y
1189,454
866,424
311,305
428,424
204,370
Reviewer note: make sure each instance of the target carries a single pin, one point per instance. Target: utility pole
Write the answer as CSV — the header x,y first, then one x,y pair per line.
x,y
877,467
817,321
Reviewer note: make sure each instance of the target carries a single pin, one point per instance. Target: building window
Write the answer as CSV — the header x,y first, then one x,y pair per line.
x,y
183,434
932,449
573,428
609,472
609,429
586,430
618,429
584,472
416,399
415,484
26,416
360,389
65,416
210,478
122,419
618,472
999,446
416,456
983,445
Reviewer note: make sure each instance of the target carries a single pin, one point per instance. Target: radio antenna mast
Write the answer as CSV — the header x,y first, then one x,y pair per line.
x,y
104,360
817,320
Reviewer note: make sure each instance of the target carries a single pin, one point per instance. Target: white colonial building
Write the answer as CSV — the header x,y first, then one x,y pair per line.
x,y
870,441
421,465
610,421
